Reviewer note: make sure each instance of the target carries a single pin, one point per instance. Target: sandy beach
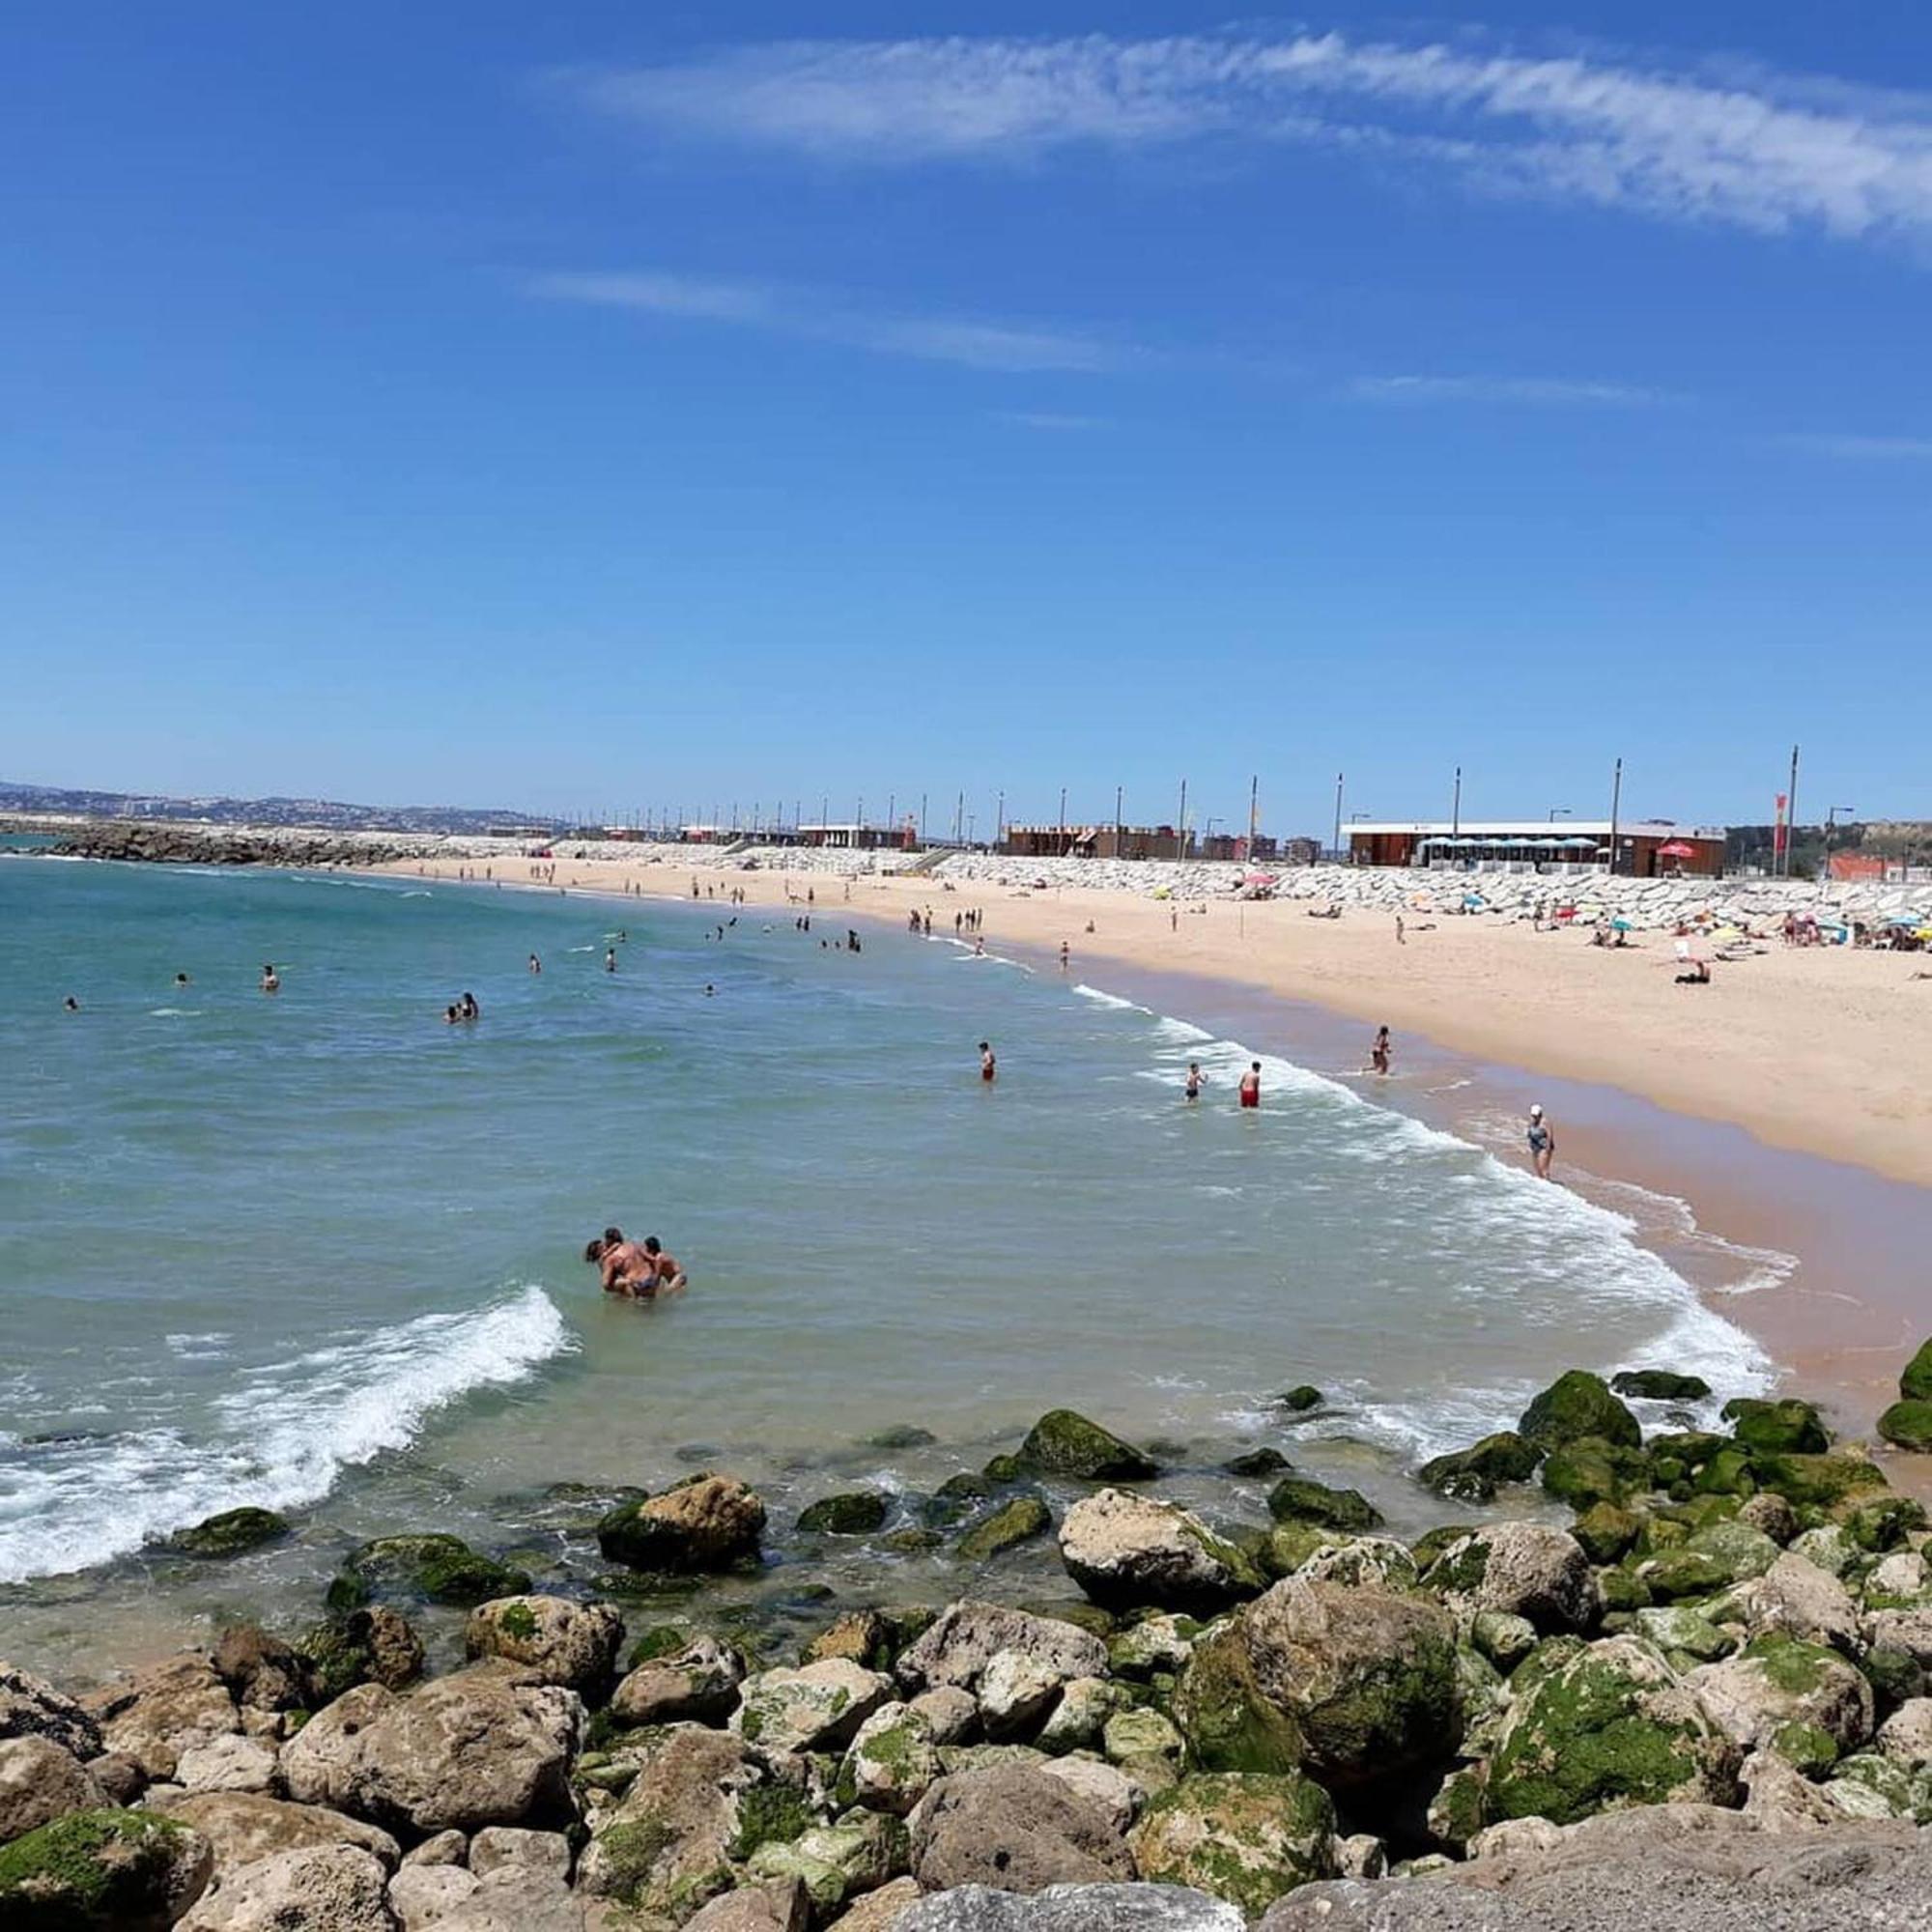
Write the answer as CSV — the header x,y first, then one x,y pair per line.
x,y
1821,1050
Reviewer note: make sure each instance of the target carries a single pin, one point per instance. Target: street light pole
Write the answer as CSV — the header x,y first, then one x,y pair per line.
x,y
1791,813
1062,821
1616,807
1337,847
1830,815
1456,811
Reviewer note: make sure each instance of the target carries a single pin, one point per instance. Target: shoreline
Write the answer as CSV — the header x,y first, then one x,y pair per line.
x,y
1848,1235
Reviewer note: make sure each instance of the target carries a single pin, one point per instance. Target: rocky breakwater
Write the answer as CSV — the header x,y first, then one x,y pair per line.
x,y
1705,1699
154,841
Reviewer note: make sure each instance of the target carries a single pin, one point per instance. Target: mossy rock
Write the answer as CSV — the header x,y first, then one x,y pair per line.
x,y
1727,1473
1575,1405
1474,1474
1298,1499
1816,1482
1915,1383
912,1542
1895,1677
660,1641
1605,1725
1430,1546
1281,1550
1744,1552
1677,1628
1459,1809
1674,1574
856,1513
1623,1591
1607,1531
1065,1443
1225,1720
230,1533
1659,1385
1009,1526
1301,1399
1882,1526
1807,1749
103,1869
434,1569
1786,1426
964,1489
1592,1470
1908,1424
1247,1838
1257,1462
1002,1470
900,1436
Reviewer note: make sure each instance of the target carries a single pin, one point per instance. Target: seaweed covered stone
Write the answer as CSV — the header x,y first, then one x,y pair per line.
x,y
1226,1720
1014,1523
1577,1405
1659,1385
1778,1427
1244,1837
435,1569
1474,1474
1908,1424
107,1869
856,1513
1300,1500
230,1533
1603,1725
704,1524
371,1645
1816,1482
1529,1570
1062,1443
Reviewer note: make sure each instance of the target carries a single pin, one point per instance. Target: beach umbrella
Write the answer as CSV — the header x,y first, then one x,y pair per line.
x,y
1677,848
1260,879
1620,926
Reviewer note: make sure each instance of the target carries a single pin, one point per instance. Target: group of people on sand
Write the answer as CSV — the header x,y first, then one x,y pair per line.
x,y
636,1270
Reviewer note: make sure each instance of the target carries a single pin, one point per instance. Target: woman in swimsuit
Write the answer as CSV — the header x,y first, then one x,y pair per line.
x,y
1379,1053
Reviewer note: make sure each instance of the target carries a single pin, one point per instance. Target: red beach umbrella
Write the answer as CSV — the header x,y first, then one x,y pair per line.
x,y
1677,849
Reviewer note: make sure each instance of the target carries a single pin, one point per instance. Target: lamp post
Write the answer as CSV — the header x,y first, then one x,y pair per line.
x,y
1338,815
1835,813
1557,811
1616,807
1062,821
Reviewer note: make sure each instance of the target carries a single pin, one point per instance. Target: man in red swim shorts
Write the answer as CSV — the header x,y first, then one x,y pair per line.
x,y
1251,1084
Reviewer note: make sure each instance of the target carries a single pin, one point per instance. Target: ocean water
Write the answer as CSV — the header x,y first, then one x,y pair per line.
x,y
320,1251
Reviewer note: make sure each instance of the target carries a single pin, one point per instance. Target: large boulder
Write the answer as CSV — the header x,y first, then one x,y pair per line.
x,y
1299,1499
1659,1385
965,1637
1064,1908
1817,1482
1914,1384
696,1685
39,1782
1781,1684
371,1645
1606,1724
162,1711
433,1569
776,1906
227,1764
1908,1424
890,1763
486,1746
1065,1443
127,1870
698,1802
1577,1405
1474,1474
563,1642
1529,1570
1368,1677
1778,1426
1244,1839
819,1706
30,1707
1227,1722
1014,1523
704,1524
243,1825
1013,1828
1797,1598
325,1888
1128,1551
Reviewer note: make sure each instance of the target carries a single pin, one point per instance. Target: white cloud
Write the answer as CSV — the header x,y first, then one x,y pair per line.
x,y
1878,448
1536,390
969,342
1759,151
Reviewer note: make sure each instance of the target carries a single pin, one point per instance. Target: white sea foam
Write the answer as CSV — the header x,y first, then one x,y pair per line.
x,y
1101,998
283,1437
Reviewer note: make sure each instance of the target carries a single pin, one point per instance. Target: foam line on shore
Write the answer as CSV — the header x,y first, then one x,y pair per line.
x,y
284,1438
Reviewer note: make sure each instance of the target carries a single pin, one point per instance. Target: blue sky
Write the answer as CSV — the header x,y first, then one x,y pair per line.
x,y
625,407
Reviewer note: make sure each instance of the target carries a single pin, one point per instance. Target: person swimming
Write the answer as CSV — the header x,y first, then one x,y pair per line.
x,y
271,980
537,964
623,1266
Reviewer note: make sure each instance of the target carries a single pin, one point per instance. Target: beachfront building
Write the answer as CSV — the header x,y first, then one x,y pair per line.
x,y
853,837
1096,841
1651,848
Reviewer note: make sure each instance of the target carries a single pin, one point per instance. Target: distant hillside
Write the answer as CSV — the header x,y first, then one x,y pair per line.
x,y
320,812
1902,840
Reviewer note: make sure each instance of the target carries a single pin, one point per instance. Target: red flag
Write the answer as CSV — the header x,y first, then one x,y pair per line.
x,y
1780,834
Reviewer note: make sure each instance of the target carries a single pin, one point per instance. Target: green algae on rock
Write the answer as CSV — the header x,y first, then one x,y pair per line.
x,y
119,1870
1065,1443
1009,1526
857,1513
1247,1838
1575,1404
434,1569
230,1533
1299,1499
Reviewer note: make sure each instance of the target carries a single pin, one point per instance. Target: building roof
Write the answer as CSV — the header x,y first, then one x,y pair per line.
x,y
1537,830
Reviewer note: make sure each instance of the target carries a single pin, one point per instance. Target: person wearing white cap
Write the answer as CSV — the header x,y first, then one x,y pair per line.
x,y
1542,1142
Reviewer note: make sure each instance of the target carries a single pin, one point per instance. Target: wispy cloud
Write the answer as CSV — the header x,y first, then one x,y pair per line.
x,y
1863,448
1552,390
970,342
1759,151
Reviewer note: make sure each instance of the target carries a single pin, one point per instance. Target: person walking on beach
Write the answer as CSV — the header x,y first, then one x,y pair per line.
x,y
1542,1142
1401,938
1196,1080
1251,1084
1379,1053
988,1067
1065,955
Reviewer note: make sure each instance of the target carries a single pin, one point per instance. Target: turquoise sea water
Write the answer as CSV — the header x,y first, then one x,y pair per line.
x,y
320,1251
